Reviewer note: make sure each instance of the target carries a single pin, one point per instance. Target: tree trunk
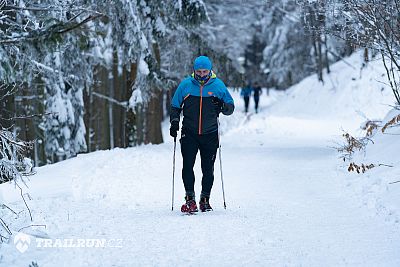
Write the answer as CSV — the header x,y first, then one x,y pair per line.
x,y
121,95
319,58
99,116
328,70
154,118
154,110
366,57
130,121
88,102
110,108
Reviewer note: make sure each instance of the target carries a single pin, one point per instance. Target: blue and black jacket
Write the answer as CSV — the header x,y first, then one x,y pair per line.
x,y
199,114
246,91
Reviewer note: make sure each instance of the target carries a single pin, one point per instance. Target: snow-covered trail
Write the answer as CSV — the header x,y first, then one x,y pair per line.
x,y
287,205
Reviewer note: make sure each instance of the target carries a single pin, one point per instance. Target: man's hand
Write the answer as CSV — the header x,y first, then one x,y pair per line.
x,y
218,104
173,130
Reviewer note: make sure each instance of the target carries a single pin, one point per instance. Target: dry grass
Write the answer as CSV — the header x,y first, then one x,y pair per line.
x,y
392,123
359,168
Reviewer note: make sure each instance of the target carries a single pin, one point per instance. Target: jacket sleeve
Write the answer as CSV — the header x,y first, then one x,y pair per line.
x,y
229,105
176,104
228,108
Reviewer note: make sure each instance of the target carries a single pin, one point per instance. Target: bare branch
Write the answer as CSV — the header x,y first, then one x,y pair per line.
x,y
23,198
123,104
5,226
72,27
394,89
3,237
5,206
14,8
60,28
33,225
385,165
10,91
24,117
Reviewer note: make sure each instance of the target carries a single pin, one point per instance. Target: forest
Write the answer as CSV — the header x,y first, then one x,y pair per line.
x,y
81,76
112,154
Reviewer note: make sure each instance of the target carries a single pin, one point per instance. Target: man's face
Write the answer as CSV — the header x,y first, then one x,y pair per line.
x,y
202,72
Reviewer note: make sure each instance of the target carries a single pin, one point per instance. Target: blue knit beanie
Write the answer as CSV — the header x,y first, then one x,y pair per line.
x,y
202,62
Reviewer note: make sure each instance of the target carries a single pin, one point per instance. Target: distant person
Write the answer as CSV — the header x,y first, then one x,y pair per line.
x,y
256,94
201,98
246,93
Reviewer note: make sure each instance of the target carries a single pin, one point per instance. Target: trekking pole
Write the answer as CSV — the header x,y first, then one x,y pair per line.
x,y
220,163
173,175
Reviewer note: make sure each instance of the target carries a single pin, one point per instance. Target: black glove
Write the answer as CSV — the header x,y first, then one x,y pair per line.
x,y
218,104
173,130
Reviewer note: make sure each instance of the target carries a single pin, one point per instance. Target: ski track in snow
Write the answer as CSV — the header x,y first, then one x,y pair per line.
x,y
287,204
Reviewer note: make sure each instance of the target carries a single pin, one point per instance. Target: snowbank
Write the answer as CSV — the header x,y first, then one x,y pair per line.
x,y
379,187
354,92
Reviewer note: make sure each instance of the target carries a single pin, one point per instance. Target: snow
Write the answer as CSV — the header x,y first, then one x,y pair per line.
x,y
348,96
290,200
378,188
135,99
160,26
143,67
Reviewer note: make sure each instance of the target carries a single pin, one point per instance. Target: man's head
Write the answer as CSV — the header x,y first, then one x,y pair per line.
x,y
202,62
202,68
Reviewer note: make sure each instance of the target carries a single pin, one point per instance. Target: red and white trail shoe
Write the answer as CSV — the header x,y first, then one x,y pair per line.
x,y
190,206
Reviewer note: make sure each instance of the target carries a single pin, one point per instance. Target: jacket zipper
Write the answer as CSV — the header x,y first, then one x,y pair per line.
x,y
201,107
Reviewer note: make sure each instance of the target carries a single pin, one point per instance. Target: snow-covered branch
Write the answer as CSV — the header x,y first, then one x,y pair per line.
x,y
123,104
13,163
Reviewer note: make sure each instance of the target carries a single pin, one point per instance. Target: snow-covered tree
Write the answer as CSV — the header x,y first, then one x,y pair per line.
x,y
59,46
231,28
41,44
375,25
159,23
13,163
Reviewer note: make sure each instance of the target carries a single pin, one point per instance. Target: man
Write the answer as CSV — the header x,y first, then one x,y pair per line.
x,y
202,96
246,93
257,92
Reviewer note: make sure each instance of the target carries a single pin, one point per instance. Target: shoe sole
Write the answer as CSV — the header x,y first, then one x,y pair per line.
x,y
188,211
206,210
